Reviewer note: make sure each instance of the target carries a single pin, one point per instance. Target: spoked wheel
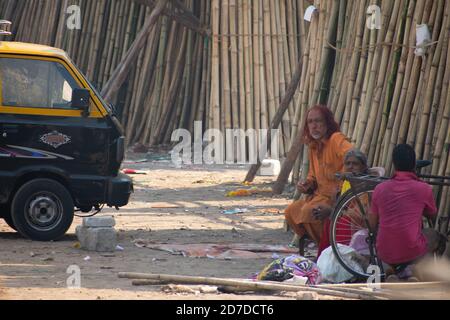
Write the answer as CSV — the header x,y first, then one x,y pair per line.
x,y
350,226
42,210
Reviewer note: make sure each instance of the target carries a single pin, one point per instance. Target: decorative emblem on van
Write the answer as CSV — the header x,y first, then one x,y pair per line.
x,y
55,139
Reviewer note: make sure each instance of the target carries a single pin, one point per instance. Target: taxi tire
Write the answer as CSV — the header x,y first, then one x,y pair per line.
x,y
23,195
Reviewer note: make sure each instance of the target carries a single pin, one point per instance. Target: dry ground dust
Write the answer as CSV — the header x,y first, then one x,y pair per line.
x,y
34,270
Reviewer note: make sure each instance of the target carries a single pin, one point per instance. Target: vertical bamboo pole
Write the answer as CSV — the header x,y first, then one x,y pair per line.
x,y
234,65
258,66
225,74
248,65
214,115
242,80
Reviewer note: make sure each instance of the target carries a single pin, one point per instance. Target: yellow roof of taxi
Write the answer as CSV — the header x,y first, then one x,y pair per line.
x,y
30,48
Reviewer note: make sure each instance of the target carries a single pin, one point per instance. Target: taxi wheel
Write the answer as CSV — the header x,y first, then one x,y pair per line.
x,y
42,210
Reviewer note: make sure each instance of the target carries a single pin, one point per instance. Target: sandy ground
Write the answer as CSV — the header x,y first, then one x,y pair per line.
x,y
33,270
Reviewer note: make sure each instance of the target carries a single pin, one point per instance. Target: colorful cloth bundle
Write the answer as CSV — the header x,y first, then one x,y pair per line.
x,y
286,268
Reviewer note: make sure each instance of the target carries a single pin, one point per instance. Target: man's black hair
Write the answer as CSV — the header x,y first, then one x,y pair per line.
x,y
404,158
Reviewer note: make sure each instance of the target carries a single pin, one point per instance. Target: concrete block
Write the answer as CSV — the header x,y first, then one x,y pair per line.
x,y
99,222
97,239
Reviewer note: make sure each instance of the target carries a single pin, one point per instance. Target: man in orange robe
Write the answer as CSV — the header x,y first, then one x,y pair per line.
x,y
327,148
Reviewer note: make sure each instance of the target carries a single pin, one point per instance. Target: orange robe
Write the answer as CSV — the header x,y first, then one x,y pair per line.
x,y
323,165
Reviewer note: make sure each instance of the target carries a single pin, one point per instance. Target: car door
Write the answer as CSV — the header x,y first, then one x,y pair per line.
x,y
38,126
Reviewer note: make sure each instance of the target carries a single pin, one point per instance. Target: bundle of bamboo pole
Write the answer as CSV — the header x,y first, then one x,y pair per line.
x,y
234,79
261,65
380,91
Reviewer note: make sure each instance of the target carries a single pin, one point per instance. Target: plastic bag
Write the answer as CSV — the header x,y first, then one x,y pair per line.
x,y
330,268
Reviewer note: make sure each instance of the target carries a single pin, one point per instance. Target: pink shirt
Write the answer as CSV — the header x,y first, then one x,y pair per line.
x,y
400,204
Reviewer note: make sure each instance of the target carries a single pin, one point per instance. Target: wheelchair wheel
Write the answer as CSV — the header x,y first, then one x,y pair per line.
x,y
350,225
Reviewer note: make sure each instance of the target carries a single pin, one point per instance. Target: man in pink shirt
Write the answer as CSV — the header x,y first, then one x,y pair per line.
x,y
398,206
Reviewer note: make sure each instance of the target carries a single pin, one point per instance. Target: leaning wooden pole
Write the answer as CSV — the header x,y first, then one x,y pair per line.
x,y
278,117
120,74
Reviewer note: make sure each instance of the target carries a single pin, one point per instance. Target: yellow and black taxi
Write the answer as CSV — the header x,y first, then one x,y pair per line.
x,y
61,145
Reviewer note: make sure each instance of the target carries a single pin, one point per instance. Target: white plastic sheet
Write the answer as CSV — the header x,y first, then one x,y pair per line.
x,y
423,37
309,13
330,268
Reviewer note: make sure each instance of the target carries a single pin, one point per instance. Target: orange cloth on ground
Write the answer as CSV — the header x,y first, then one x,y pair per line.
x,y
323,165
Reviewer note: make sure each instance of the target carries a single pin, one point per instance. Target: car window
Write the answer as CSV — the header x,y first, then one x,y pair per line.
x,y
35,84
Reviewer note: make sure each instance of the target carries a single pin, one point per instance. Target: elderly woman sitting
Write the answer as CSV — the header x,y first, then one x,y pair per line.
x,y
355,162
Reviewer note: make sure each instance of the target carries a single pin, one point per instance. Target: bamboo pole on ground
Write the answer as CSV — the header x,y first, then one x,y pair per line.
x,y
247,284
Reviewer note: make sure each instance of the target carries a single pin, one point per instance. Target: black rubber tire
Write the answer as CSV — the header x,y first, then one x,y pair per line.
x,y
54,193
336,215
5,211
